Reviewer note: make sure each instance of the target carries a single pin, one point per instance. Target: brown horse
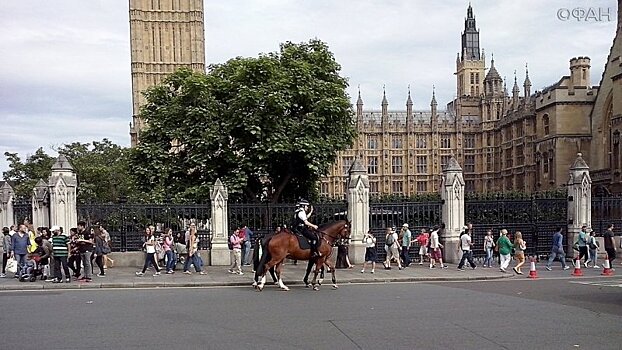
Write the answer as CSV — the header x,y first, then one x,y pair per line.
x,y
285,245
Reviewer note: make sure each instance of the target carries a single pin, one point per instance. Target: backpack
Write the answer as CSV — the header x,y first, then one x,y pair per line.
x,y
390,240
594,243
229,243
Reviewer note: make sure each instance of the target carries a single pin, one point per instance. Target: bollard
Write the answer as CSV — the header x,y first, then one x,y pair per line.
x,y
577,268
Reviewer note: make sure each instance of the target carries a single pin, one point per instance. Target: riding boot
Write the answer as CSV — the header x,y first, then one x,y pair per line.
x,y
314,250
318,244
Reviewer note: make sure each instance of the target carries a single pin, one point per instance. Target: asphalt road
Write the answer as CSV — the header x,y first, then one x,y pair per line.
x,y
514,314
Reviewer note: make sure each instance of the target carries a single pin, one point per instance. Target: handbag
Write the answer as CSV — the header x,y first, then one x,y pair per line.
x,y
11,265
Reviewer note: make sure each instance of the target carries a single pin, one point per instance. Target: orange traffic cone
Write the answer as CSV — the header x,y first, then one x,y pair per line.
x,y
533,273
607,271
577,268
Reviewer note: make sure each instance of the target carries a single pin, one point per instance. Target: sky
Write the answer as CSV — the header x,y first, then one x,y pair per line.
x,y
65,64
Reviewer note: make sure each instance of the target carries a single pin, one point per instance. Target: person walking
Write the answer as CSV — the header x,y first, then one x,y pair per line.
x,y
504,247
168,244
85,247
435,249
60,248
246,246
609,244
489,246
150,254
466,243
557,250
593,248
236,241
392,249
193,248
406,241
99,252
581,244
423,240
370,251
6,249
20,242
519,252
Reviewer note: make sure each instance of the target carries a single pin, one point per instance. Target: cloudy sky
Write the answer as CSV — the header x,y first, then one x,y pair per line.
x,y
65,64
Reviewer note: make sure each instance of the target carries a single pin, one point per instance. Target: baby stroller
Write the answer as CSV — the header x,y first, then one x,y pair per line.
x,y
31,269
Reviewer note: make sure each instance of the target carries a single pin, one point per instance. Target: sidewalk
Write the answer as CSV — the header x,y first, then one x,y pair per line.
x,y
292,275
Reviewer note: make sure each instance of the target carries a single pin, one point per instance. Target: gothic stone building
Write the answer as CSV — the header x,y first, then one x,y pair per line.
x,y
164,35
504,142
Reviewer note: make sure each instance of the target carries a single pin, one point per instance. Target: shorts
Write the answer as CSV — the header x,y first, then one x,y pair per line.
x,y
370,254
436,254
423,250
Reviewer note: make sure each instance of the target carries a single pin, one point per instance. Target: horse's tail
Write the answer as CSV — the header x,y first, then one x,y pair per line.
x,y
265,256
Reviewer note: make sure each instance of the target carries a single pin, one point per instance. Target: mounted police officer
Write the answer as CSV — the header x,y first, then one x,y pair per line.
x,y
301,225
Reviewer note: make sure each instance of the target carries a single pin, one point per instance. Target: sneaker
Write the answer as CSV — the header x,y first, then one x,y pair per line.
x,y
502,269
585,263
596,267
432,266
156,274
139,273
240,273
202,273
101,275
515,270
460,269
56,281
2,275
67,280
87,280
566,268
474,267
169,272
231,271
420,263
549,269
372,271
444,266
362,271
188,272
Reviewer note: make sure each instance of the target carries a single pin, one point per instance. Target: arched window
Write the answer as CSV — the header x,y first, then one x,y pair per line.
x,y
615,151
545,124
545,162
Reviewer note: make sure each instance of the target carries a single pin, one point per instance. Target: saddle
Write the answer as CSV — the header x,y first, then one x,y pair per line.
x,y
303,242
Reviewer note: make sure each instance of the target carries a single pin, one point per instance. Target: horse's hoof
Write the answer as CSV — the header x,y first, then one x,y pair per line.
x,y
286,289
316,288
320,282
335,286
254,284
259,288
307,286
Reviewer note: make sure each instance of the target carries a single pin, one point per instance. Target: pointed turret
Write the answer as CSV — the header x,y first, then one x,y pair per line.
x,y
409,104
433,104
492,82
515,93
385,103
527,83
359,105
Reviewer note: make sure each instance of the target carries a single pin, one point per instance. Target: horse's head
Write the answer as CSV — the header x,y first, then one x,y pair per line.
x,y
344,230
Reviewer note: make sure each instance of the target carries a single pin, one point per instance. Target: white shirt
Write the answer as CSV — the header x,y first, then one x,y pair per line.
x,y
302,215
11,233
465,242
370,242
151,248
434,239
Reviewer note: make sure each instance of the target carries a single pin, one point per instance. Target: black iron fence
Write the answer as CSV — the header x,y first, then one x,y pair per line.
x,y
22,210
126,223
263,218
605,211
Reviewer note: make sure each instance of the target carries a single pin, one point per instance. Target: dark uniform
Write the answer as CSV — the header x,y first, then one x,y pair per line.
x,y
300,227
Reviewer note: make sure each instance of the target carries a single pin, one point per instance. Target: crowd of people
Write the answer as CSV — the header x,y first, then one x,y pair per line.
x,y
398,246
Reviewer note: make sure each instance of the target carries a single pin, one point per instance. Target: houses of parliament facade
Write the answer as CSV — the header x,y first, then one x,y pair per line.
x,y
515,140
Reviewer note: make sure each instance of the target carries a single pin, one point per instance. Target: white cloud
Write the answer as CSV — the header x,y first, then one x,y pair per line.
x,y
65,72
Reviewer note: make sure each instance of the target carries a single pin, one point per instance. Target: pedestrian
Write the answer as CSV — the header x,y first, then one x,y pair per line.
x,y
60,247
436,254
108,242
519,252
392,249
609,244
236,242
593,248
489,246
466,243
74,260
85,244
46,255
504,247
423,241
581,245
150,250
20,242
370,251
557,250
98,252
246,246
168,244
193,248
6,249
406,241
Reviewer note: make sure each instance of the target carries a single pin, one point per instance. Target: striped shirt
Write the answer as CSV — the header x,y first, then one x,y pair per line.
x,y
59,243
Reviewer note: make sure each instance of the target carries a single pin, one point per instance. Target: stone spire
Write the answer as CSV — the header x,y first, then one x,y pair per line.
x,y
515,92
385,103
433,104
527,83
359,105
409,104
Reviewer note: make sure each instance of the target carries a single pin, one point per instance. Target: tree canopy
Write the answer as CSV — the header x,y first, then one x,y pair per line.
x,y
269,127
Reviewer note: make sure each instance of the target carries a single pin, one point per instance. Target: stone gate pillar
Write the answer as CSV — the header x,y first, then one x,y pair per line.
x,y
579,198
452,194
62,189
40,205
358,210
220,254
6,205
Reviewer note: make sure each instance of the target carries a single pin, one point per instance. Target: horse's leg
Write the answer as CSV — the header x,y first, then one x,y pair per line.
x,y
319,263
267,267
321,280
279,270
332,271
274,276
306,278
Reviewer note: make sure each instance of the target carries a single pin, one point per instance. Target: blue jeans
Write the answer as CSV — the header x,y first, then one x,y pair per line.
x,y
488,260
560,254
246,256
192,259
170,260
466,255
21,261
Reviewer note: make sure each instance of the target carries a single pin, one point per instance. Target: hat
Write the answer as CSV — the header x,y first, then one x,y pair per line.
x,y
405,225
55,228
302,202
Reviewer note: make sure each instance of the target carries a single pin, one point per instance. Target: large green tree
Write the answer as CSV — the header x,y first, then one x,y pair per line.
x,y
269,126
24,175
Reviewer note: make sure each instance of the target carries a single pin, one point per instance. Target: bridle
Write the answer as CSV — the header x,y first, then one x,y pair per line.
x,y
335,238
